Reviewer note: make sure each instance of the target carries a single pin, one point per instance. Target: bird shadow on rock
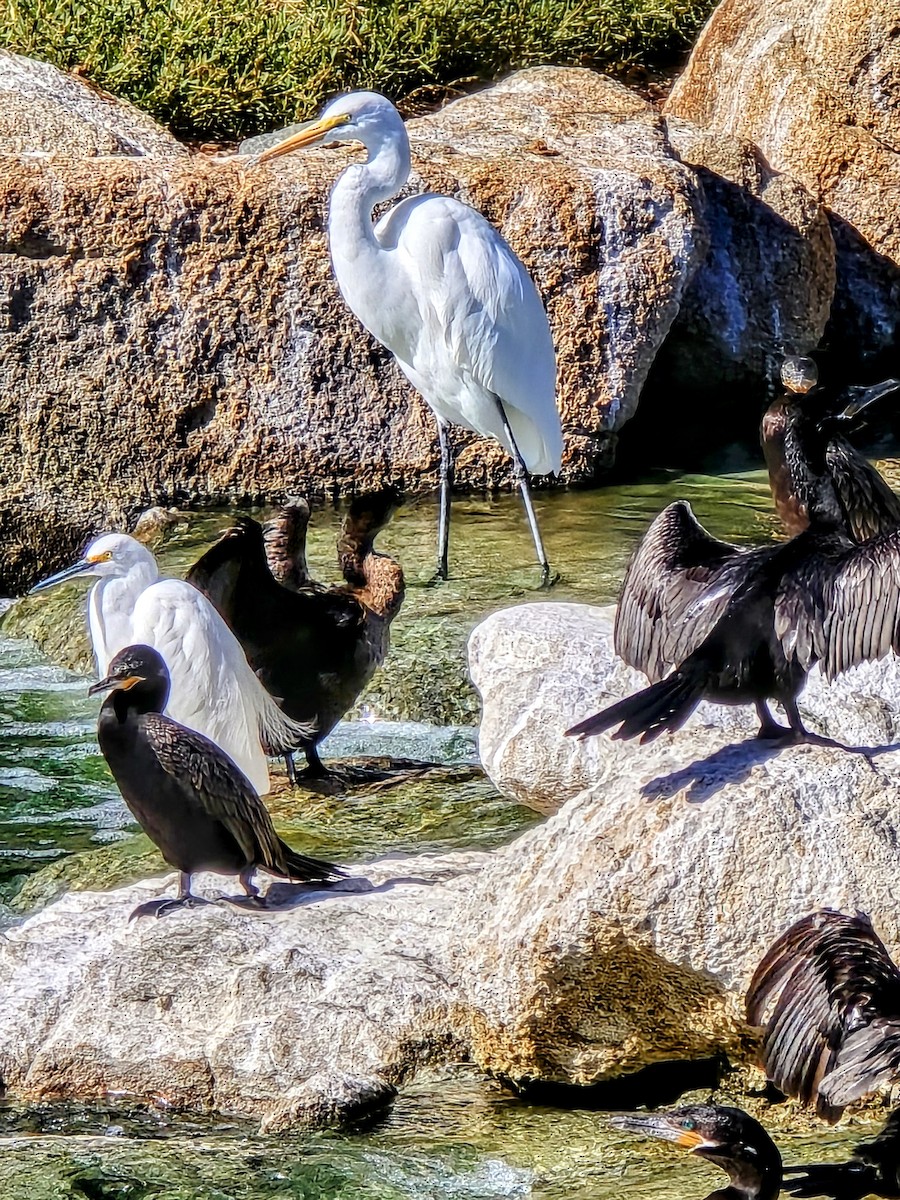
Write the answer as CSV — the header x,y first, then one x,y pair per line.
x,y
283,896
733,764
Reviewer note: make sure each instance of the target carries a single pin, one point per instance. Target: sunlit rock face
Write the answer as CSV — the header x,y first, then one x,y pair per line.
x,y
45,111
699,847
175,333
817,88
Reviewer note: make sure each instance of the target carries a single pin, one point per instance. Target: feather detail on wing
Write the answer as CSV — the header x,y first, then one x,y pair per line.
x,y
870,505
676,588
214,690
842,605
207,778
828,995
478,303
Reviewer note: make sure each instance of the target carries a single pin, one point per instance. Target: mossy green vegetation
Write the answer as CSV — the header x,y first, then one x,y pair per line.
x,y
238,67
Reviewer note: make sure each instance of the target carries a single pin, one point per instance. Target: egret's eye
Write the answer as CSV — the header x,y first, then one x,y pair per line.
x,y
99,558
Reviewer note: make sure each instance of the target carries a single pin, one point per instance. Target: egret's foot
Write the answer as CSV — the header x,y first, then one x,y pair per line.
x,y
549,578
436,579
162,908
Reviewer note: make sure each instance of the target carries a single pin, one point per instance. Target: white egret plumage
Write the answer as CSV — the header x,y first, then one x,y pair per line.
x,y
437,285
213,688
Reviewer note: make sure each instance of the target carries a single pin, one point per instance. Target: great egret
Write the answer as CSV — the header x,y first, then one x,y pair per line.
x,y
437,285
314,647
214,690
186,794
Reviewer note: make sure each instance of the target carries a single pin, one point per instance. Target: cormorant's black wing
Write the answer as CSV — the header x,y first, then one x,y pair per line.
x,y
216,572
871,507
676,588
842,608
206,777
828,995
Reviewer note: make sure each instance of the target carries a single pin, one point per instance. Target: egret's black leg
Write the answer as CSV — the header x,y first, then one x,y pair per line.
x,y
443,559
521,473
290,768
162,908
769,729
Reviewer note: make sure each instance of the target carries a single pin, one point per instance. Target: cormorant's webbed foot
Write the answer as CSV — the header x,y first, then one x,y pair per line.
x,y
162,908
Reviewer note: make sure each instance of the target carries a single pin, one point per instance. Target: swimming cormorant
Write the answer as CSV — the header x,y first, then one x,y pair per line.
x,y
805,413
184,791
727,1137
214,689
313,648
745,626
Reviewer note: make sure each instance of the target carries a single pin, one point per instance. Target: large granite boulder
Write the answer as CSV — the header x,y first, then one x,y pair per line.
x,y
817,88
174,333
45,111
620,933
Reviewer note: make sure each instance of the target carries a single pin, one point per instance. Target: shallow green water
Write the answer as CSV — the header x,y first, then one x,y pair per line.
x,y
455,1137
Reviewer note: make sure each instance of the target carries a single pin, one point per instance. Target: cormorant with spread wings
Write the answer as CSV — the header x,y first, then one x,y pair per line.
x,y
740,626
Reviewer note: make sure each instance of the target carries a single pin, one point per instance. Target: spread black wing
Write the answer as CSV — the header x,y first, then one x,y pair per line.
x,y
678,584
841,605
870,505
206,777
828,996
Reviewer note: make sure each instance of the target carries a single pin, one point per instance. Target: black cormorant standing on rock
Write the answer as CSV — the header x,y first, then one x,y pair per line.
x,y
185,793
314,648
804,414
745,626
727,1137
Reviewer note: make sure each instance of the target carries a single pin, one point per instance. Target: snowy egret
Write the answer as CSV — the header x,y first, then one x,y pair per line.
x,y
435,283
314,647
214,689
184,791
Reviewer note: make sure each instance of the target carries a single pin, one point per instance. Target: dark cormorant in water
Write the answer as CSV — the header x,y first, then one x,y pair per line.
x,y
727,1137
745,626
828,995
806,412
185,793
314,648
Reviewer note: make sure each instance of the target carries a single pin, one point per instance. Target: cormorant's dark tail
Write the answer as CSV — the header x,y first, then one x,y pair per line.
x,y
664,705
309,870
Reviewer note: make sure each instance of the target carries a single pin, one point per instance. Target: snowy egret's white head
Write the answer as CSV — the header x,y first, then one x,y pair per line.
x,y
111,554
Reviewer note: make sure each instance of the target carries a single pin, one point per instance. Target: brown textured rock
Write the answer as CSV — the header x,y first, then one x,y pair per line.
x,y
173,332
817,88
45,111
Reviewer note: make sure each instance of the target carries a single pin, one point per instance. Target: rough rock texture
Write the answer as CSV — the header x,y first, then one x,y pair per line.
x,y
220,1008
817,88
620,933
537,659
766,284
173,331
45,111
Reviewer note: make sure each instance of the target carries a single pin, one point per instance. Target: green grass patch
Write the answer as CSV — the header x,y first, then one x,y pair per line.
x,y
232,68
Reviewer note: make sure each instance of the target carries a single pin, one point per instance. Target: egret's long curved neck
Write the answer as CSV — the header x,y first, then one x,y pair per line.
x,y
110,605
351,230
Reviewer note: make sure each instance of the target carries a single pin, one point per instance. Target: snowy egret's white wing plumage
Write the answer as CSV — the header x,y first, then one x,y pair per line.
x,y
213,688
